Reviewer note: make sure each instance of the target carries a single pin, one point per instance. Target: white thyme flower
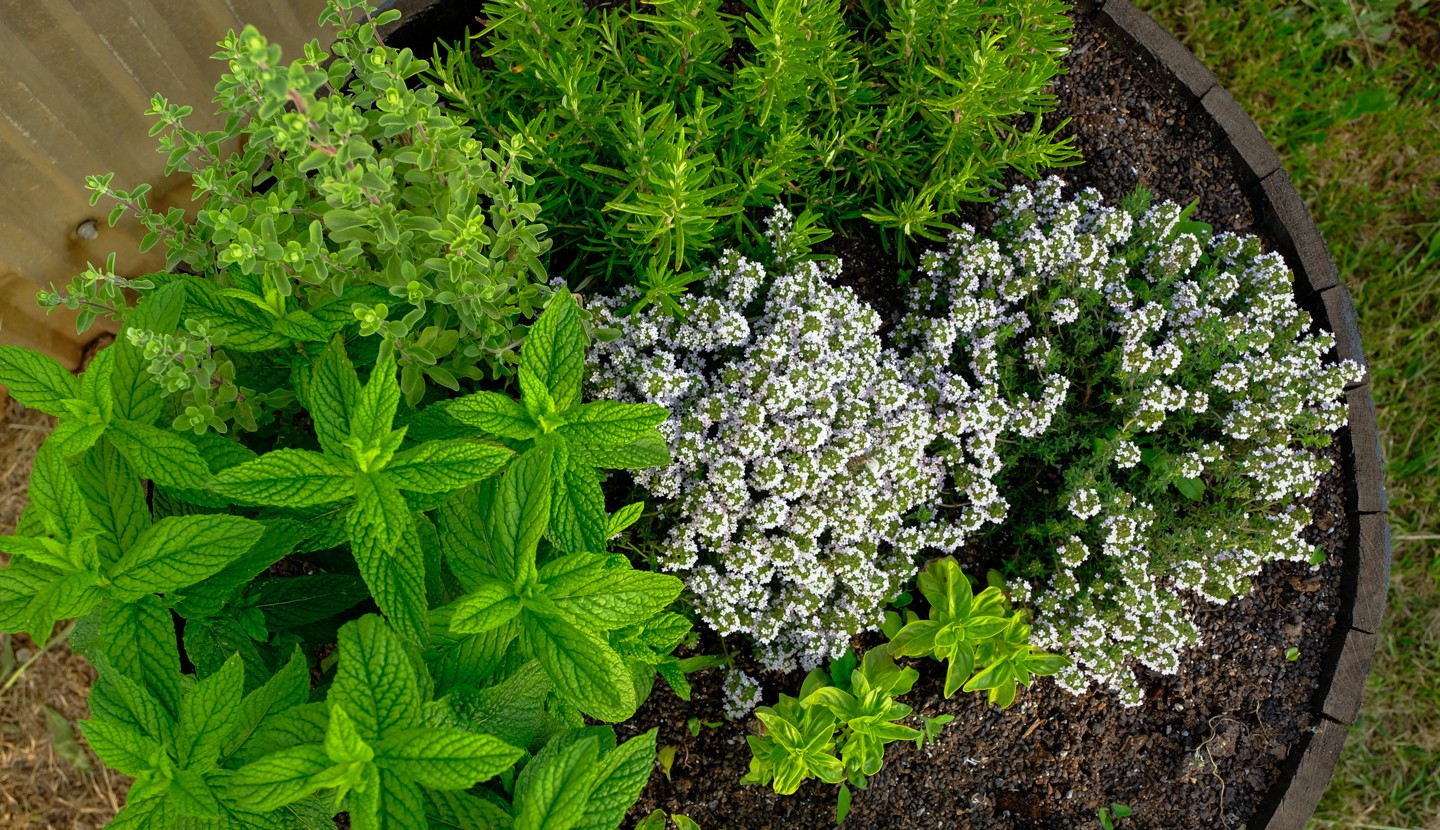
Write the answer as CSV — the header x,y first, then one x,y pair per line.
x,y
1202,339
801,446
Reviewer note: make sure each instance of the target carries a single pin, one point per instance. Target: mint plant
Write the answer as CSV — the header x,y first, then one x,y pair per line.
x,y
453,686
263,459
654,131
381,751
565,609
178,754
362,465
966,631
581,438
109,403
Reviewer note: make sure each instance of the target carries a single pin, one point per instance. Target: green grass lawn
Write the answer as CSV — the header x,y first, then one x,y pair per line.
x,y
1349,92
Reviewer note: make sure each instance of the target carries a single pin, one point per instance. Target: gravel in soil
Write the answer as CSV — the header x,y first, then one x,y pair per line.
x,y
1207,744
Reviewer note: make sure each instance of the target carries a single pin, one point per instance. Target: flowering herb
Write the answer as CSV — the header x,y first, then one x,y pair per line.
x,y
801,449
1159,396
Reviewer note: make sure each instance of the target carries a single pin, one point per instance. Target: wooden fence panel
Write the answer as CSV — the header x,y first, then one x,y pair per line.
x,y
76,77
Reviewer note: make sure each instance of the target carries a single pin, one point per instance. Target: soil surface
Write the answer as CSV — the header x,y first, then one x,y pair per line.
x,y
1207,744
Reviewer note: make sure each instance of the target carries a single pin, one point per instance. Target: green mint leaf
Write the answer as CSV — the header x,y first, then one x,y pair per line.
x,y
296,726
577,519
209,716
42,551
331,392
493,414
520,513
121,746
604,598
534,395
117,698
387,550
620,777
604,424
33,597
208,597
37,380
220,453
159,455
444,759
288,688
138,641
466,661
374,411
512,710
443,466
136,394
623,518
210,641
280,778
290,602
583,667
144,813
463,528
343,741
554,350
73,436
552,791
95,384
193,797
179,551
649,450
246,327
55,493
490,605
375,680
389,803
298,324
116,498
466,812
287,478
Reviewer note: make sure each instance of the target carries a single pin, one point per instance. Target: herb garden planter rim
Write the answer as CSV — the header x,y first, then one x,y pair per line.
x,y
1280,210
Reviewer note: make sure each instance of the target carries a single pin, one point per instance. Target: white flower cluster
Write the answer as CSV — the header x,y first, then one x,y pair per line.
x,y
742,693
800,452
1123,362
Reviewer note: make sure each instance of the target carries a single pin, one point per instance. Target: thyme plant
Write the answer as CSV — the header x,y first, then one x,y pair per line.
x,y
803,491
1151,400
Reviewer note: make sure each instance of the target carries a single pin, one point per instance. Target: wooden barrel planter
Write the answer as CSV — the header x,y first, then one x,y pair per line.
x,y
1291,230
1263,202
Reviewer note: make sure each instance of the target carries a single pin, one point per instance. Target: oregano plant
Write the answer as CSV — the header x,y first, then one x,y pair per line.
x,y
354,202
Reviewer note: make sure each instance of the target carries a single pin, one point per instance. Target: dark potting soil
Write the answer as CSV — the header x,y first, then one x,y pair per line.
x,y
1206,745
